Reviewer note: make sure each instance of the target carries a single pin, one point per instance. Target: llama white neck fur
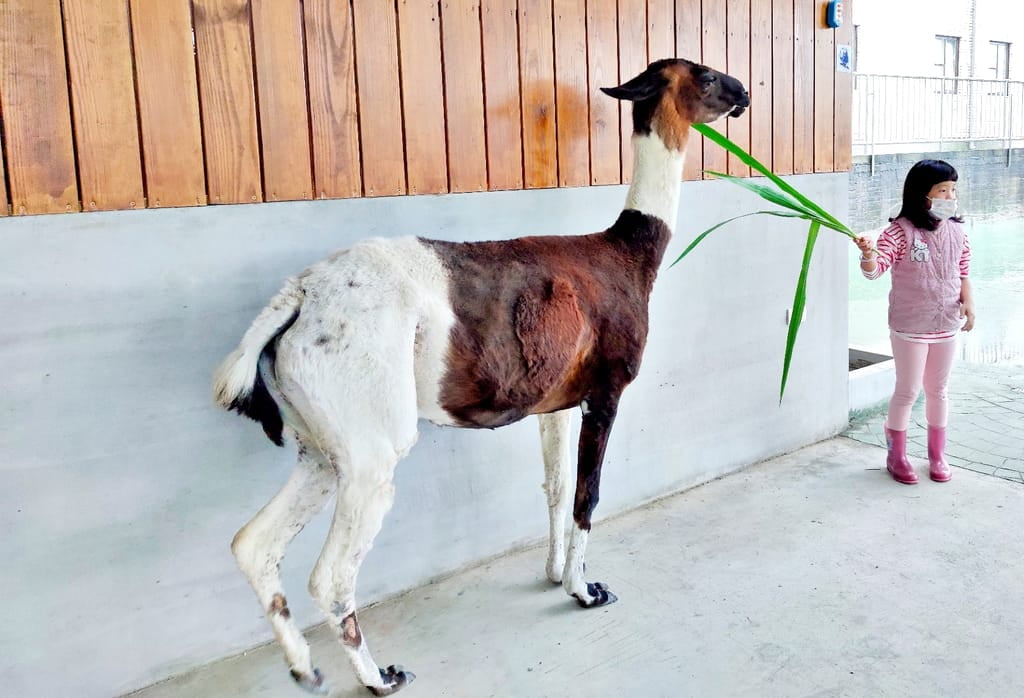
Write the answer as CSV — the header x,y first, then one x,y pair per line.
x,y
657,172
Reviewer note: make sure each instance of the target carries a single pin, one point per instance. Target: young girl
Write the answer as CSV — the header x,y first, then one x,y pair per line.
x,y
929,255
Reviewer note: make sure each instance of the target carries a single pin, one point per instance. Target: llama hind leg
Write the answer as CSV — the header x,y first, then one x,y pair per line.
x,y
554,438
260,545
365,494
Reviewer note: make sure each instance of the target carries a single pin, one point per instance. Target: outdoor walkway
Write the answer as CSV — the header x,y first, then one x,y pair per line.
x,y
810,574
986,422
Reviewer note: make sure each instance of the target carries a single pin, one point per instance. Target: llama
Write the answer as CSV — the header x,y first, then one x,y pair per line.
x,y
353,351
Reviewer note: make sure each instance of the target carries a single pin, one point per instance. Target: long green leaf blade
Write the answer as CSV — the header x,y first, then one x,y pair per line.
x,y
748,159
713,135
699,238
767,193
778,198
799,302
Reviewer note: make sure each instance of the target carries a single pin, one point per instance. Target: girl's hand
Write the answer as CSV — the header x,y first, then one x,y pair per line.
x,y
865,244
967,311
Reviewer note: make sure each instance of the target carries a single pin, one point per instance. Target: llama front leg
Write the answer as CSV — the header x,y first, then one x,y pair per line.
x,y
554,439
363,500
598,416
260,545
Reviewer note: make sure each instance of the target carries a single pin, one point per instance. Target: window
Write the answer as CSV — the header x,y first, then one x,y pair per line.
x,y
1001,60
1000,52
949,61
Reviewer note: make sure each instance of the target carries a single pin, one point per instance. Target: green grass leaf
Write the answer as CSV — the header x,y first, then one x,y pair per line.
x,y
765,192
798,206
752,162
697,240
799,303
779,199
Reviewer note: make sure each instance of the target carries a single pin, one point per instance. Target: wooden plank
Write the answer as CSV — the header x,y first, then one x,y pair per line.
x,y
228,100
661,29
503,102
843,142
172,141
760,86
804,15
380,98
537,77
419,32
573,118
333,113
715,52
824,91
5,205
688,46
464,95
284,113
632,62
782,86
603,71
103,94
738,62
36,109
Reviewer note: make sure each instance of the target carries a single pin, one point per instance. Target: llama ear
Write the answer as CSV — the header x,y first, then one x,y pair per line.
x,y
643,86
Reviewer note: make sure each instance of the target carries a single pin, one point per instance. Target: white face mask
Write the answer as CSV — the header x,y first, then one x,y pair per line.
x,y
943,208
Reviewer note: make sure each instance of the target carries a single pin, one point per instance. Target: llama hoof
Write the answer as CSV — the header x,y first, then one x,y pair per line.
x,y
313,684
395,678
600,593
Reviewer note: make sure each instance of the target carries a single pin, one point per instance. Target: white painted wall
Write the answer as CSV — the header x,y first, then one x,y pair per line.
x,y
122,485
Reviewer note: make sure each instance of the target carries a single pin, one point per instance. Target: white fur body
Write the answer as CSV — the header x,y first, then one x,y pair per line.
x,y
373,320
380,297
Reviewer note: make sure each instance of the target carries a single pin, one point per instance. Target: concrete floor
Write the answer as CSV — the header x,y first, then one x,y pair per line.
x,y
813,574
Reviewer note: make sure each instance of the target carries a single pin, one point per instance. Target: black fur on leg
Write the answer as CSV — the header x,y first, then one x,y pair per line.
x,y
395,678
601,594
313,684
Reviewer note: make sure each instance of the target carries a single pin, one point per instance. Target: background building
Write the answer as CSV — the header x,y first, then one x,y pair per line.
x,y
940,38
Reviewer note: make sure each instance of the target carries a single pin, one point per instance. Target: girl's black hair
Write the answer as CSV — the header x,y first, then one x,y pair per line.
x,y
924,175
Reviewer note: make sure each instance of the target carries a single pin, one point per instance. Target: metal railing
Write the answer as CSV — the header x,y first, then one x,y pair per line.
x,y
898,113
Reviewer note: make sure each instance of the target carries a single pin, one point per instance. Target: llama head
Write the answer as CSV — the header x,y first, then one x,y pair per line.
x,y
673,93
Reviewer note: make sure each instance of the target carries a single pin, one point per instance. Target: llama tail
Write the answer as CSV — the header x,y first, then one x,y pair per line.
x,y
237,382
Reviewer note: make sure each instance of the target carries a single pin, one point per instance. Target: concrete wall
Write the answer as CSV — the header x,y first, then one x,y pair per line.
x,y
122,485
991,185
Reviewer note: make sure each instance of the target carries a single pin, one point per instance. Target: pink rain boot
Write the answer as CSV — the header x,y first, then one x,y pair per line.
x,y
938,469
896,462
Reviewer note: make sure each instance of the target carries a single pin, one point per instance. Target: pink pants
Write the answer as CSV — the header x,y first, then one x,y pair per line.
x,y
920,364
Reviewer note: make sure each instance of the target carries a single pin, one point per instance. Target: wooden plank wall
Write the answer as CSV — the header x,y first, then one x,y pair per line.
x,y
115,104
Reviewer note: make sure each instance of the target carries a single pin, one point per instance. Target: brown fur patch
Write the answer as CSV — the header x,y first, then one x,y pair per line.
x,y
279,607
550,329
350,634
674,113
541,321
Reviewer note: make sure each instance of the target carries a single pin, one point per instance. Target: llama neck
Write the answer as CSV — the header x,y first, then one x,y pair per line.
x,y
657,172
